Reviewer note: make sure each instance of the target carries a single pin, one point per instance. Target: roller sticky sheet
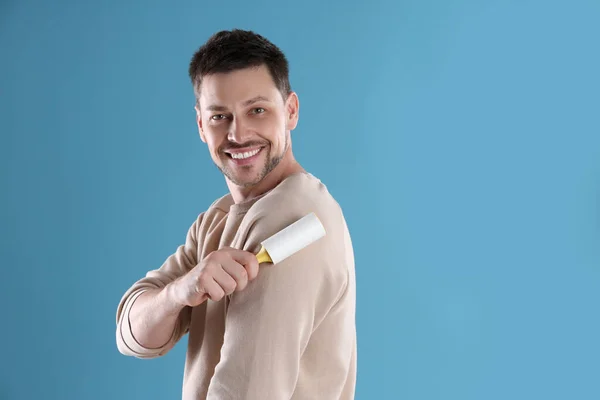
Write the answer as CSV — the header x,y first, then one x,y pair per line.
x,y
291,239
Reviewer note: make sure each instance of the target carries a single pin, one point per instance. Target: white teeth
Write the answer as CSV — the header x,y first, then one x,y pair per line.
x,y
241,156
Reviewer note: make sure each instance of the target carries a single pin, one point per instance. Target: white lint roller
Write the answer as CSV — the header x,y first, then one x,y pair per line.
x,y
291,239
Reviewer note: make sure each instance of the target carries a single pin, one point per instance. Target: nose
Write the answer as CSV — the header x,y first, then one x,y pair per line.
x,y
238,132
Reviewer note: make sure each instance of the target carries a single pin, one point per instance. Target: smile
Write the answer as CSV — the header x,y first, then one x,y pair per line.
x,y
244,155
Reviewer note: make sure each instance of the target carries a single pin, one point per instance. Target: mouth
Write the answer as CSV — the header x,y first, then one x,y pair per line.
x,y
243,156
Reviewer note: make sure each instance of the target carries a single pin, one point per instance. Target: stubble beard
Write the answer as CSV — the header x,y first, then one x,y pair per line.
x,y
270,164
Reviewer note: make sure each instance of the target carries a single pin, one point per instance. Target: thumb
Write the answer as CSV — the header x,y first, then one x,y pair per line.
x,y
203,295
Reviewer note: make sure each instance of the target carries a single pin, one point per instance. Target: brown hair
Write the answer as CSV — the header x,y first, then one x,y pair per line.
x,y
227,51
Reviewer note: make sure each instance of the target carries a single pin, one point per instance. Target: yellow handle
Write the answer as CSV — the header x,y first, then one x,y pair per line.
x,y
263,256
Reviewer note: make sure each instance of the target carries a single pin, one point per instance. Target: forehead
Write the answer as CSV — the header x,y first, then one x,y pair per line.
x,y
231,88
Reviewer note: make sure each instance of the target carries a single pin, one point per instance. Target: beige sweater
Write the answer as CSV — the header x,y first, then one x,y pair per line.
x,y
291,333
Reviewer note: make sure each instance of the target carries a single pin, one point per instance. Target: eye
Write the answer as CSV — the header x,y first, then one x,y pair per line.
x,y
217,117
258,110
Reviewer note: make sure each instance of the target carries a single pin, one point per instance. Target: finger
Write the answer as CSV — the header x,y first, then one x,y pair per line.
x,y
237,272
201,290
252,268
248,260
214,290
203,296
225,281
241,256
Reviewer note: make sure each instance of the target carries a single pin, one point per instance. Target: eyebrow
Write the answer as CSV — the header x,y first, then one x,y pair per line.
x,y
214,107
255,100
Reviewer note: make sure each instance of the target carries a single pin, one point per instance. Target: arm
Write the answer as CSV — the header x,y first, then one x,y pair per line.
x,y
155,313
269,324
149,320
154,316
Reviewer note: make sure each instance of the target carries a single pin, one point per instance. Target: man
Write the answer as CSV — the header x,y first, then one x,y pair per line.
x,y
284,331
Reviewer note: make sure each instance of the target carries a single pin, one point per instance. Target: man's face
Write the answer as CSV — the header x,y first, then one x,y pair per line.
x,y
245,122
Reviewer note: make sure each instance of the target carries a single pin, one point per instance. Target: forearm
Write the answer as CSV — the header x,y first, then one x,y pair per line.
x,y
153,317
149,319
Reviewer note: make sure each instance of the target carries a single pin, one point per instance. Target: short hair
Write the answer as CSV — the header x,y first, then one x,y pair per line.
x,y
227,51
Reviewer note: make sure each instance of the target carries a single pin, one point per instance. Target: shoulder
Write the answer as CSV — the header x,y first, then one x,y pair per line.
x,y
209,218
298,195
329,261
217,210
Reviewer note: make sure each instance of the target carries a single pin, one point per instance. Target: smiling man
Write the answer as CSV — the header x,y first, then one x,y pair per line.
x,y
284,331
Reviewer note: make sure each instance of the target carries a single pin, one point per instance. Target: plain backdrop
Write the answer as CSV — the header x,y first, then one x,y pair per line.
x,y
461,138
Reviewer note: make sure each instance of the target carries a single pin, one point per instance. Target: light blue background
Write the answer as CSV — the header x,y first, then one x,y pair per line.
x,y
462,139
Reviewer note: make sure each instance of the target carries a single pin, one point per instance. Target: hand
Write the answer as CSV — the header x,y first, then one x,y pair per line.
x,y
220,273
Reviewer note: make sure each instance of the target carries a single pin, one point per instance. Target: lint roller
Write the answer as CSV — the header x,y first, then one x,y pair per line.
x,y
291,239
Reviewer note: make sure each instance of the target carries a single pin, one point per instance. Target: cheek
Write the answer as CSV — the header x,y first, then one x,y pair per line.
x,y
272,128
212,141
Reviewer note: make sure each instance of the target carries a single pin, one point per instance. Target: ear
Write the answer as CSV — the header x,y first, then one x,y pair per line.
x,y
292,108
199,123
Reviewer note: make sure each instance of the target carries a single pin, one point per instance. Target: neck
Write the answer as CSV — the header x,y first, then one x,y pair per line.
x,y
286,167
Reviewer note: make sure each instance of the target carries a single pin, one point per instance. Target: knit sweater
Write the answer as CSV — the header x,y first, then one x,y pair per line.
x,y
290,334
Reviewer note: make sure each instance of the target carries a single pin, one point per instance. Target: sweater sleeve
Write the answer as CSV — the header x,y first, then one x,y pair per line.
x,y
269,323
176,265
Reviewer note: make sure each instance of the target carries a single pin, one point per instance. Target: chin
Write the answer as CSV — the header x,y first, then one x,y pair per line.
x,y
250,175
247,180
243,178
